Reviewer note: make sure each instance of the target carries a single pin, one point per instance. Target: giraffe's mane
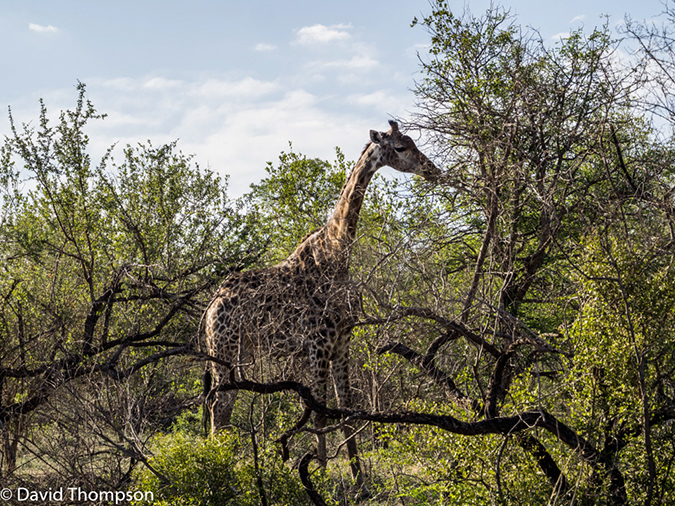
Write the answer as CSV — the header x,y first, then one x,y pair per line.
x,y
310,233
345,183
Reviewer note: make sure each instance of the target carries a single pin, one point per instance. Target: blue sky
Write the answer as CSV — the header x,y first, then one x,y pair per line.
x,y
236,81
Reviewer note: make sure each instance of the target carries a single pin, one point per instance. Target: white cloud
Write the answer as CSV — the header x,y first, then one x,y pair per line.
x,y
234,126
561,36
263,46
42,29
578,18
246,87
382,101
357,62
349,72
321,34
160,83
416,49
235,123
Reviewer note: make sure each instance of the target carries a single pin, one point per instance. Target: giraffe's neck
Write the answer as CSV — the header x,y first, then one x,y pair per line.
x,y
341,226
331,244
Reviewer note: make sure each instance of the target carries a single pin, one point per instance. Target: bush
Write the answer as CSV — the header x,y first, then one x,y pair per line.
x,y
216,471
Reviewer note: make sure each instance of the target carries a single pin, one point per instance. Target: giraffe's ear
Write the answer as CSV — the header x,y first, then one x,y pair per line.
x,y
375,137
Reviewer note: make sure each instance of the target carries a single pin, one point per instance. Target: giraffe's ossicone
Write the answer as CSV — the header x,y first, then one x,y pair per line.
x,y
303,308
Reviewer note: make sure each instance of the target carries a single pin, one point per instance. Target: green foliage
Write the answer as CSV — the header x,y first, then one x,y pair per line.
x,y
624,354
295,198
517,122
424,466
216,471
199,471
155,218
105,271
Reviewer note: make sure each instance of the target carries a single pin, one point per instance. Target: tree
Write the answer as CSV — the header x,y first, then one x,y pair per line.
x,y
544,151
106,270
657,71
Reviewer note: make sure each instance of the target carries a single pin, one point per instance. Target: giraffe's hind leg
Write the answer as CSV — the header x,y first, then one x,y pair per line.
x,y
219,403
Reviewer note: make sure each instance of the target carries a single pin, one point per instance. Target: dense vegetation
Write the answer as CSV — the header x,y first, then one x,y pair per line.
x,y
516,341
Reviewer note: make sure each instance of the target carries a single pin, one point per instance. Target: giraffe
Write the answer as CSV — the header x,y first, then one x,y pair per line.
x,y
306,304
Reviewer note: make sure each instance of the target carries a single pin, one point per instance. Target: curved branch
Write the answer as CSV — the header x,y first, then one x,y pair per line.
x,y
500,425
545,462
283,439
303,470
526,441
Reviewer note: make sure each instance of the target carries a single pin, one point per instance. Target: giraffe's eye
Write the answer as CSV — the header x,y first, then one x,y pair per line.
x,y
400,149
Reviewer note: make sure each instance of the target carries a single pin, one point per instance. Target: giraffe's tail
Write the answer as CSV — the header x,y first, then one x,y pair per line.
x,y
206,394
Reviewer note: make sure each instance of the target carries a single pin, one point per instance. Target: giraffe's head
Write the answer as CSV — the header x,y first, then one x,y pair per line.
x,y
399,152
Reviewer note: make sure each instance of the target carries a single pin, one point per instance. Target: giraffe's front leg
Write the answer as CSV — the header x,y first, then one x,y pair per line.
x,y
220,403
340,367
319,365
